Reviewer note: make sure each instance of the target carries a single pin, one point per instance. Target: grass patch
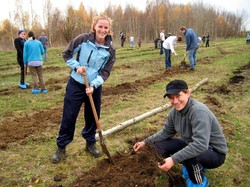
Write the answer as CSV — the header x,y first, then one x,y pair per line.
x,y
142,79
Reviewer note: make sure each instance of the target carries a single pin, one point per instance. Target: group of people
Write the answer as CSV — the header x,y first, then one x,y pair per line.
x,y
200,144
131,40
192,44
29,54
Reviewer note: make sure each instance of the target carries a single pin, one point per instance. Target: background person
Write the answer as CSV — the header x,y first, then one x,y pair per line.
x,y
123,38
44,40
168,46
192,45
139,42
95,57
203,40
200,143
132,41
162,38
207,39
19,44
32,57
156,40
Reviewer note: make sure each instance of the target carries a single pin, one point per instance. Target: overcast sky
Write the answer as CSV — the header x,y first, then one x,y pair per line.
x,y
237,6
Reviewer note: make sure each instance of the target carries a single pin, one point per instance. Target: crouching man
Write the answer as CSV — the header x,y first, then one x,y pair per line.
x,y
200,143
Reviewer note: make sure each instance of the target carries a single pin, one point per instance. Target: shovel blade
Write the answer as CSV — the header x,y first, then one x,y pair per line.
x,y
104,147
183,64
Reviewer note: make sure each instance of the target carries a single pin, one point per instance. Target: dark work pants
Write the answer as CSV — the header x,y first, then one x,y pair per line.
x,y
122,42
208,160
207,43
22,81
74,97
162,49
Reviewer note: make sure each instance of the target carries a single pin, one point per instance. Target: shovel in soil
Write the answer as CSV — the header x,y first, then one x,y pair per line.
x,y
103,145
183,62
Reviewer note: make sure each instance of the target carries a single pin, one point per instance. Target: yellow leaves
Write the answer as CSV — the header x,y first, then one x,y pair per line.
x,y
162,14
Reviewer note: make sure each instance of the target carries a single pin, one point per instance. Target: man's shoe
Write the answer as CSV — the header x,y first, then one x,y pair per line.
x,y
57,157
205,183
92,150
184,173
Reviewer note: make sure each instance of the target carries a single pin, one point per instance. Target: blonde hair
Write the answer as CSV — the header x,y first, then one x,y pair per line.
x,y
102,17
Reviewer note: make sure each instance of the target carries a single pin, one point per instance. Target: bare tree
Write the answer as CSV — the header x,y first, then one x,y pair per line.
x,y
68,28
61,27
47,14
21,17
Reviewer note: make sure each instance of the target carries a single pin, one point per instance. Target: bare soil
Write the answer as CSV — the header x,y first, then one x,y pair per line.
x,y
129,169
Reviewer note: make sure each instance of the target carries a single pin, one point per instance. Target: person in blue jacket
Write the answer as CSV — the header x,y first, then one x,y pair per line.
x,y
192,45
191,136
32,57
95,57
44,40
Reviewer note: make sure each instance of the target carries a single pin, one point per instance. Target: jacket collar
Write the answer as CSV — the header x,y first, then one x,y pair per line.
x,y
108,40
186,108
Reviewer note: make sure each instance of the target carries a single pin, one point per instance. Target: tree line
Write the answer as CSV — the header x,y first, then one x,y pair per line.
x,y
61,26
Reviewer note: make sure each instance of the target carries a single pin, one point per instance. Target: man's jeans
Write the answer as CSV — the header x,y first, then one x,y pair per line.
x,y
45,55
167,58
192,56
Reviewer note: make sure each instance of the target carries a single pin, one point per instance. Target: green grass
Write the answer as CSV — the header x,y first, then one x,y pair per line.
x,y
28,161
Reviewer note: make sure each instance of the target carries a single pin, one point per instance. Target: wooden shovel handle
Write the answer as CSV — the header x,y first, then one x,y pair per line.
x,y
185,54
98,125
92,105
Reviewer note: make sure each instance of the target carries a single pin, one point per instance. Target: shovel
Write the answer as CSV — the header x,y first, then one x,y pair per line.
x,y
103,145
183,62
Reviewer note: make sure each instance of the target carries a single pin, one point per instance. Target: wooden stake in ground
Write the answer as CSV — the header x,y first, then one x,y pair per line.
x,y
127,123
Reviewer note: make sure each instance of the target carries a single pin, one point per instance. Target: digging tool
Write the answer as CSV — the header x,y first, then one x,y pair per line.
x,y
183,62
103,145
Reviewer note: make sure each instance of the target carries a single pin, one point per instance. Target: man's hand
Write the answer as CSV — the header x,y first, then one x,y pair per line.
x,y
168,164
138,145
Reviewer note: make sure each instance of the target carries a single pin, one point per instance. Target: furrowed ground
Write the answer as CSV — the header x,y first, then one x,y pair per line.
x,y
29,123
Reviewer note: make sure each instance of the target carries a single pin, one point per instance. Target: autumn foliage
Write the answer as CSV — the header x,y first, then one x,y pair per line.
x,y
62,25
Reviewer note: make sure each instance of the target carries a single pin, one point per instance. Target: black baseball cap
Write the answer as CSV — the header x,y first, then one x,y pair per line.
x,y
175,86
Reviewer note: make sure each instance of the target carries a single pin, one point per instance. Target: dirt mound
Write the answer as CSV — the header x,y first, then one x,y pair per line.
x,y
130,169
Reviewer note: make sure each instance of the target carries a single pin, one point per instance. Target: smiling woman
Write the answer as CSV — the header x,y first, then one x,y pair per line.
x,y
95,58
101,25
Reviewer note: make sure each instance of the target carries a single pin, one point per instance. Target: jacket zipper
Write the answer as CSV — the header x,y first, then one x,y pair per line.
x,y
89,57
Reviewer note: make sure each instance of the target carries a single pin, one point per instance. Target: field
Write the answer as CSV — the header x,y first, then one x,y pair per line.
x,y
29,123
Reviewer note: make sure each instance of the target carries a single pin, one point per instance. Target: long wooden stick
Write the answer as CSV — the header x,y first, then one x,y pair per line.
x,y
93,105
127,123
98,125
